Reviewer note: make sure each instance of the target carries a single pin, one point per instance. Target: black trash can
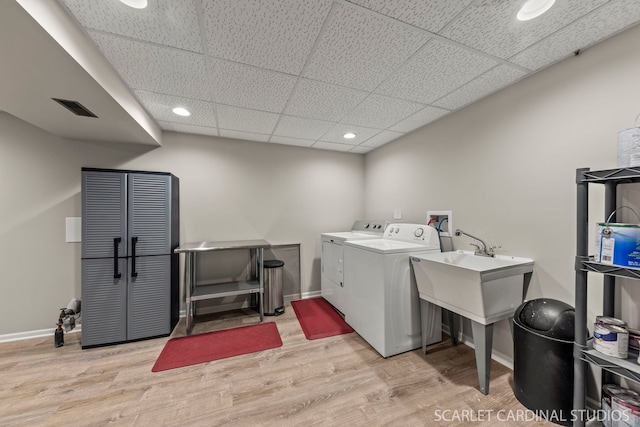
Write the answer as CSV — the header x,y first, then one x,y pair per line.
x,y
273,299
543,335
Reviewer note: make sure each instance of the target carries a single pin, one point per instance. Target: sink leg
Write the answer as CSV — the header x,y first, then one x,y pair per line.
x,y
453,330
483,341
430,324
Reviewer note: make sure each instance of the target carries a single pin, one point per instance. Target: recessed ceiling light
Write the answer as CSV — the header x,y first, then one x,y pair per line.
x,y
181,111
349,135
136,4
534,8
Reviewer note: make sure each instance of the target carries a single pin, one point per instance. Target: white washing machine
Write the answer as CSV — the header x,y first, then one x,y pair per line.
x,y
331,259
384,305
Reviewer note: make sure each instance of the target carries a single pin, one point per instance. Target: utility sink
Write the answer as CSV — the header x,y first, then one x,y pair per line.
x,y
483,289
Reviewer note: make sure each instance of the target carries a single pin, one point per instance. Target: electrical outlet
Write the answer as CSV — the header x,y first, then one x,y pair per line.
x,y
397,213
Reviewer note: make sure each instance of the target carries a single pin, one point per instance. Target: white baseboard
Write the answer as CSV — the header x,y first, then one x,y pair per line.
x,y
18,336
314,294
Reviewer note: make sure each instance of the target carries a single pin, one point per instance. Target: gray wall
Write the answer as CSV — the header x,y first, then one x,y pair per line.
x,y
230,190
506,165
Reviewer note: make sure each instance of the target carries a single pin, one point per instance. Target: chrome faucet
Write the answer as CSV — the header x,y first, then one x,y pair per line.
x,y
482,248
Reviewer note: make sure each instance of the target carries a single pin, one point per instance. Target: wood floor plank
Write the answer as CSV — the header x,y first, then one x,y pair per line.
x,y
333,381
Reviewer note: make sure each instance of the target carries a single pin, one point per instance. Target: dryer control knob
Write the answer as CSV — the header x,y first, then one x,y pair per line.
x,y
366,225
419,232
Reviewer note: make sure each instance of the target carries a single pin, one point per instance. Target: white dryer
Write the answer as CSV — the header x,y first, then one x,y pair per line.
x,y
331,260
384,305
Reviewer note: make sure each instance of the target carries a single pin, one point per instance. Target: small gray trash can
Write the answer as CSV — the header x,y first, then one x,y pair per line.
x,y
273,299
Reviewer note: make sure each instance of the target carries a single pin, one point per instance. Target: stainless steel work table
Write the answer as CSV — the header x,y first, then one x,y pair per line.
x,y
193,293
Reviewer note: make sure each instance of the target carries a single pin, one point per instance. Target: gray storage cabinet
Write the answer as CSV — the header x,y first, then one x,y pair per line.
x,y
129,271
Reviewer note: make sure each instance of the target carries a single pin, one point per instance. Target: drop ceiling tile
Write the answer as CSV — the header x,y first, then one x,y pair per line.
x,y
332,146
382,138
492,27
164,22
381,111
277,35
155,68
250,87
430,15
491,81
291,141
607,20
247,136
323,101
361,149
184,128
297,127
359,49
435,71
232,118
161,106
419,119
339,129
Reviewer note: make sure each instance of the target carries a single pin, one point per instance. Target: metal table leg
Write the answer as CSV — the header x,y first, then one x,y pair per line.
x,y
189,281
261,279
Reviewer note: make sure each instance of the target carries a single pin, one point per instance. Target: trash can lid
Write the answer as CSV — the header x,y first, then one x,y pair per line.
x,y
273,263
548,317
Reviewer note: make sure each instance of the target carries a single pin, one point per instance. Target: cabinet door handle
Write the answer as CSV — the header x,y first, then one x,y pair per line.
x,y
116,272
134,272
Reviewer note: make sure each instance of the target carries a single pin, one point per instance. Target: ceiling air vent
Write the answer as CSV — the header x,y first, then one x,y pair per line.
x,y
75,107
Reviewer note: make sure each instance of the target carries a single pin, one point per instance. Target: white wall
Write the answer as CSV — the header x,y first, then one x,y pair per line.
x,y
506,165
230,190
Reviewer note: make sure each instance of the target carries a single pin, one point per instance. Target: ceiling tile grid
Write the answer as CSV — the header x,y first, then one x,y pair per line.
x,y
382,138
491,26
491,81
297,127
249,87
335,134
242,119
304,73
155,68
165,22
378,111
160,106
277,35
250,136
430,15
291,141
606,20
361,149
359,50
435,71
333,146
188,128
426,115
322,101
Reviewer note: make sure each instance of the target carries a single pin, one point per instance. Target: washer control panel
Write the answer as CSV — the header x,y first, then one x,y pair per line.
x,y
366,226
409,232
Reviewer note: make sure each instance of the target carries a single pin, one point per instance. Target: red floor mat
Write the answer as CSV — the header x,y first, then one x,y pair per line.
x,y
194,349
319,319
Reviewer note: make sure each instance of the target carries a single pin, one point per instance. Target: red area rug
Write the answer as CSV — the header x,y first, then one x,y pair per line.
x,y
319,319
201,348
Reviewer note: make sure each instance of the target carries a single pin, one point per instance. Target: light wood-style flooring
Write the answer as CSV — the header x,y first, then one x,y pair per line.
x,y
335,381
